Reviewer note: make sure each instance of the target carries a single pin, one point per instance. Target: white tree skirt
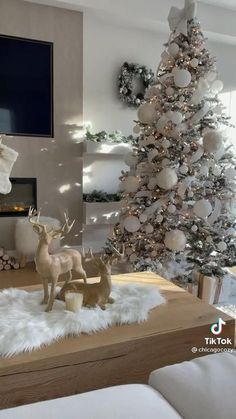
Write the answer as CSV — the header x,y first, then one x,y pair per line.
x,y
25,326
229,306
229,309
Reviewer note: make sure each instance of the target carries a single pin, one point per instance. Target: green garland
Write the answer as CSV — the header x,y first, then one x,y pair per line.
x,y
101,196
114,137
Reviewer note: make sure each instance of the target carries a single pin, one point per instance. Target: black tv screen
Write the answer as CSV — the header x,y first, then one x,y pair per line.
x,y
26,87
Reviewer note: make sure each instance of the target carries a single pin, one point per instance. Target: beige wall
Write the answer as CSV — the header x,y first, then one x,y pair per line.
x,y
57,161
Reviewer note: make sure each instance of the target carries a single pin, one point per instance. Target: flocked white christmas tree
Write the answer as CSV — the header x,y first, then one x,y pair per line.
x,y
178,197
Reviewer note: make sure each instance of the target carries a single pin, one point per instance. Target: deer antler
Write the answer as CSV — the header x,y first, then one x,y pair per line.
x,y
89,256
83,253
117,254
65,229
32,214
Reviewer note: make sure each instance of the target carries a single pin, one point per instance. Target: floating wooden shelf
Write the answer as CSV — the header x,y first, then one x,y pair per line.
x,y
91,147
101,212
99,217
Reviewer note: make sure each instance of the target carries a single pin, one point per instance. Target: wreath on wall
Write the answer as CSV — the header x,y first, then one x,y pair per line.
x,y
130,75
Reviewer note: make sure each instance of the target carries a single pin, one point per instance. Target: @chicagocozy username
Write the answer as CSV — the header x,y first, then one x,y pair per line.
x,y
223,344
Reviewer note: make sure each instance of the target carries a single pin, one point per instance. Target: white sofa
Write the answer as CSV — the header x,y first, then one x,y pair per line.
x,y
203,388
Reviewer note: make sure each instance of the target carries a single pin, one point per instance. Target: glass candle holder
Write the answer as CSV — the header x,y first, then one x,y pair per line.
x,y
74,301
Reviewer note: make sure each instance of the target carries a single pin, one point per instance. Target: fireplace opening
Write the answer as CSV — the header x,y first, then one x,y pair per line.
x,y
22,196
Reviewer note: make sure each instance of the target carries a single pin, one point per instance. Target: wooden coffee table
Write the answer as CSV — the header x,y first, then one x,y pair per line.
x,y
119,355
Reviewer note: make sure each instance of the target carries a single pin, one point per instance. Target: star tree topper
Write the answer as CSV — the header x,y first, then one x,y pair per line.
x,y
178,18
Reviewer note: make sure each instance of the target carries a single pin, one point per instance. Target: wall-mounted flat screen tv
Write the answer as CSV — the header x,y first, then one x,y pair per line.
x,y
26,87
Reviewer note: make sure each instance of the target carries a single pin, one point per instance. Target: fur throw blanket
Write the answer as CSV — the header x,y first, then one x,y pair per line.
x,y
26,326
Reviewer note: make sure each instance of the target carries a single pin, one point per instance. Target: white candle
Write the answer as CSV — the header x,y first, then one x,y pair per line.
x,y
74,301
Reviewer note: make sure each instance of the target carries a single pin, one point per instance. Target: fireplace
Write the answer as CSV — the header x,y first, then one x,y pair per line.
x,y
22,196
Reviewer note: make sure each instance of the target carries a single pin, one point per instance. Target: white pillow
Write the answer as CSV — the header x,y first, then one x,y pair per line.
x,y
202,388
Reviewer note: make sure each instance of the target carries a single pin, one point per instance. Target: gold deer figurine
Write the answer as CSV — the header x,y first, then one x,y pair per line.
x,y
50,267
99,292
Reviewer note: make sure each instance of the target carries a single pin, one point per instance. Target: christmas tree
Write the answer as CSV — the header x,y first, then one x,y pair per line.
x,y
178,198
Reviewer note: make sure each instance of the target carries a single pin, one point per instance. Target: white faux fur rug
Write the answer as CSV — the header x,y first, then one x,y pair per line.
x,y
24,325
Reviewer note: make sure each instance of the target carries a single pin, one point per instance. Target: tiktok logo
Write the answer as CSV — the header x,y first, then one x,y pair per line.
x,y
216,328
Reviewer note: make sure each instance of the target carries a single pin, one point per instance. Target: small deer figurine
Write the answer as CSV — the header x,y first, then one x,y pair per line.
x,y
50,267
99,292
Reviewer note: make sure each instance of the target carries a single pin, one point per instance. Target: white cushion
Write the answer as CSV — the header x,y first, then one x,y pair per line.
x,y
134,401
202,388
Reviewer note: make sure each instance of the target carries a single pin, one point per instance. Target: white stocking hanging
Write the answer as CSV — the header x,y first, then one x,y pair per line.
x,y
8,157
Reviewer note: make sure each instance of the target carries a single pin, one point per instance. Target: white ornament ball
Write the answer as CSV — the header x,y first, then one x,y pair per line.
x,y
128,251
131,184
182,78
152,183
169,114
147,113
217,86
186,149
132,224
166,143
176,117
130,159
222,246
230,173
173,49
183,169
202,208
194,228
204,171
152,154
136,129
167,178
159,266
153,253
159,218
171,209
150,139
149,229
143,218
133,257
165,57
212,141
209,239
194,62
230,231
211,76
170,91
218,109
216,171
152,91
174,70
161,124
190,194
175,240
121,187
187,115
175,133
165,162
